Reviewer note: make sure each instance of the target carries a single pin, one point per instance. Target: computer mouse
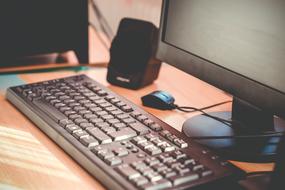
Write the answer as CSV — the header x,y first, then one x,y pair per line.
x,y
159,99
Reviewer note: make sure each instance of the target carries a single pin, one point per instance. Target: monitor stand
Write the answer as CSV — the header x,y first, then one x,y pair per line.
x,y
246,146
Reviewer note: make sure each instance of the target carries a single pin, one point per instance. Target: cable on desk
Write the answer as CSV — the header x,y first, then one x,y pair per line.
x,y
229,123
189,109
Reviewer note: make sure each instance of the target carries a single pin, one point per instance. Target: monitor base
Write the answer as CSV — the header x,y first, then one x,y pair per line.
x,y
249,149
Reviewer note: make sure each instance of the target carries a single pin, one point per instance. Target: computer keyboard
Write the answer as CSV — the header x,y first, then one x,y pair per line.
x,y
114,140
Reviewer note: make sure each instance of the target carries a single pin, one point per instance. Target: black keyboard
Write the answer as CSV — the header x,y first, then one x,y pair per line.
x,y
114,140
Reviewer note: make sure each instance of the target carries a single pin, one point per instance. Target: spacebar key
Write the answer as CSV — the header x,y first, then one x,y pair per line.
x,y
49,110
123,134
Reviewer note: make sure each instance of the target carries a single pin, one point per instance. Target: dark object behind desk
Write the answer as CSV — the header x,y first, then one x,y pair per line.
x,y
34,27
132,62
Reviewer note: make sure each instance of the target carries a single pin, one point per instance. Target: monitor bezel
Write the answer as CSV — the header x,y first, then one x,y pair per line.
x,y
253,92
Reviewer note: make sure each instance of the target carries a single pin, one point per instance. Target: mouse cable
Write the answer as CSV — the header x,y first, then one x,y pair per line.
x,y
189,109
229,123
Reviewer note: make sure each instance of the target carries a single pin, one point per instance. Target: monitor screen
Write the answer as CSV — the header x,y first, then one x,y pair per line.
x,y
238,46
243,36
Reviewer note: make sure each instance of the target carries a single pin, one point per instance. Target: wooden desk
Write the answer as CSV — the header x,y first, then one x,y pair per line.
x,y
30,160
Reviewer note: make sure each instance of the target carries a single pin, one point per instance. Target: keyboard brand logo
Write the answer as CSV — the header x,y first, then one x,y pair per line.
x,y
122,79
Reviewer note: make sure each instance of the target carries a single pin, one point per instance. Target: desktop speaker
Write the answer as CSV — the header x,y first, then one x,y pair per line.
x,y
132,54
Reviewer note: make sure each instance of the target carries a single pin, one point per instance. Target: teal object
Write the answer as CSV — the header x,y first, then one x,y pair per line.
x,y
8,80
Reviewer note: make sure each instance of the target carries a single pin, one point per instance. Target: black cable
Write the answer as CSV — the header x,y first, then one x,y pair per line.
x,y
229,123
99,37
188,109
102,21
204,108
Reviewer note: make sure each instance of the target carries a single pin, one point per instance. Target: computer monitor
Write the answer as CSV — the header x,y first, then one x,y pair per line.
x,y
33,27
239,47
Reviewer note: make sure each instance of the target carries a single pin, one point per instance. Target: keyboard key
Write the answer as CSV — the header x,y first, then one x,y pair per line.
x,y
145,145
90,116
113,121
139,128
129,120
118,112
127,108
151,137
151,161
120,151
148,122
109,97
101,113
123,134
65,122
123,116
142,118
112,161
103,125
104,155
167,173
107,117
78,121
155,127
80,134
120,104
165,133
165,157
74,116
72,128
65,108
98,149
115,100
99,135
135,114
108,130
139,165
158,185
139,181
138,140
96,120
102,93
153,150
181,143
111,109
181,169
153,176
86,125
119,125
89,141
205,172
178,180
159,167
128,172
178,154
166,147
